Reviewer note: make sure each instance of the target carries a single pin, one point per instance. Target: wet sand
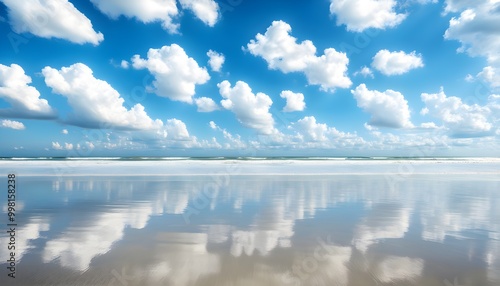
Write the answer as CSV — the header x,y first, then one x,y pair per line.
x,y
376,226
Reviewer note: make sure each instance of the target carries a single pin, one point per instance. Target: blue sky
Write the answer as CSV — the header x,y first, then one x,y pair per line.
x,y
249,78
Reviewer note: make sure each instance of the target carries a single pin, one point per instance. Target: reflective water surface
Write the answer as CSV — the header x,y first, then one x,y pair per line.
x,y
257,230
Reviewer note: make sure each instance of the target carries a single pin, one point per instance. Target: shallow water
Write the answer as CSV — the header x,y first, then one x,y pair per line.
x,y
256,230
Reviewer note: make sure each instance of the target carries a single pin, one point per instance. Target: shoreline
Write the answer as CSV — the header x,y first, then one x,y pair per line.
x,y
249,167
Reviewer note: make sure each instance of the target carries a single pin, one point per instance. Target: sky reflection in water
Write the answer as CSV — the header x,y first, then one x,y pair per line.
x,y
258,230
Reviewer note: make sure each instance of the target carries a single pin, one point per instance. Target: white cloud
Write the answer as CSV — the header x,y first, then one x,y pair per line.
x,y
86,146
233,141
64,131
307,133
387,109
469,78
251,110
52,18
176,130
294,101
164,11
365,72
176,74
476,29
205,10
213,125
281,52
68,146
461,119
172,134
422,1
56,146
396,63
312,130
216,60
311,134
146,11
24,99
369,127
329,71
206,104
124,64
95,103
491,75
459,5
359,15
429,125
12,124
473,29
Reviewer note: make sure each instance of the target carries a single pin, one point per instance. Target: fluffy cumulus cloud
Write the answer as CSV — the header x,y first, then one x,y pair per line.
x,y
461,119
215,61
179,137
459,5
66,146
421,1
476,29
56,146
365,72
359,15
164,11
312,134
294,101
314,131
176,74
212,125
473,28
282,52
12,124
232,141
176,130
24,99
396,63
252,110
95,103
52,19
205,10
146,11
491,75
387,109
124,64
206,104
85,146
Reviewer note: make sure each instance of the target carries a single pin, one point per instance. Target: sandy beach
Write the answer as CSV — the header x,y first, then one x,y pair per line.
x,y
234,222
169,167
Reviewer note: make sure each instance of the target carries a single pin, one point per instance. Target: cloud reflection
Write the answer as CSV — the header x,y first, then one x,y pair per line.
x,y
78,245
393,269
25,236
183,259
384,221
271,224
